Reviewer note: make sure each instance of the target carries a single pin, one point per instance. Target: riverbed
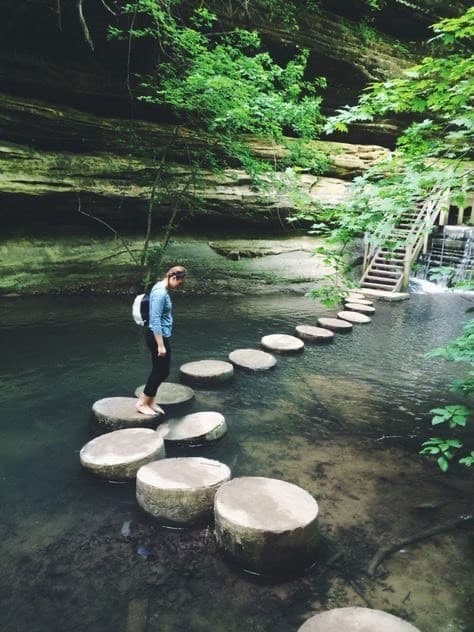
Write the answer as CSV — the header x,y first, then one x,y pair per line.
x,y
343,420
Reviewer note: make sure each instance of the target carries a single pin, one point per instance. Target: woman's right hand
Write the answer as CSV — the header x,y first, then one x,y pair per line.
x,y
161,350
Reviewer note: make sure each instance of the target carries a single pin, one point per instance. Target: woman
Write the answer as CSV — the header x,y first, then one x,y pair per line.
x,y
157,334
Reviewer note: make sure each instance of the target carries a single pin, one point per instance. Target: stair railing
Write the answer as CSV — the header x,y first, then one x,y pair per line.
x,y
429,212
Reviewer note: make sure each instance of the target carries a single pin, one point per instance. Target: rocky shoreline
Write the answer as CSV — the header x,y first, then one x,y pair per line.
x,y
98,266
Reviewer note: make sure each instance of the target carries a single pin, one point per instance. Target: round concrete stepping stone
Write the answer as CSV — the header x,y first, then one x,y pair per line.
x,y
282,343
252,359
314,334
199,428
354,295
356,620
359,301
180,491
335,324
354,317
118,455
265,524
356,307
170,394
206,372
114,413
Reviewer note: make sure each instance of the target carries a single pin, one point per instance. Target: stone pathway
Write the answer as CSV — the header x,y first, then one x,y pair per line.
x,y
206,372
197,428
282,343
170,394
354,317
265,525
115,413
353,619
358,307
314,334
252,359
118,455
180,492
335,324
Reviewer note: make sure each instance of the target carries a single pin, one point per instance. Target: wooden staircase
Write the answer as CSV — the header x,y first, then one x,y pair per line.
x,y
387,267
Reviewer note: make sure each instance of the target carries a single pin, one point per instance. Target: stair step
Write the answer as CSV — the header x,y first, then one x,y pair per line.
x,y
377,286
377,278
391,255
386,265
388,273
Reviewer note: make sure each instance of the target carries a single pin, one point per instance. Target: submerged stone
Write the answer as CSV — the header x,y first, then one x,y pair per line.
x,y
335,324
202,427
115,413
118,455
314,334
282,343
265,524
180,491
206,372
354,317
356,619
170,394
357,307
252,359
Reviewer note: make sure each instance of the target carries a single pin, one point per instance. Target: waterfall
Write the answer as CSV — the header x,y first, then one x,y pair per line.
x,y
448,262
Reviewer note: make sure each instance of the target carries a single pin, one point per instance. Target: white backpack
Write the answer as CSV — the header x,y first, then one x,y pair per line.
x,y
141,309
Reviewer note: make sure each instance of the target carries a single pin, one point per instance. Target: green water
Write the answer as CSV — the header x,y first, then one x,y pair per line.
x,y
339,420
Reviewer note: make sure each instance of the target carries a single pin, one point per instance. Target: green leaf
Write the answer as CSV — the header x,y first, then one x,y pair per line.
x,y
443,463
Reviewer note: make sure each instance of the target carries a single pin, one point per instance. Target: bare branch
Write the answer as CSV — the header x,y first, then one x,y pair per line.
x,y
58,11
129,53
388,549
111,228
116,254
85,28
106,6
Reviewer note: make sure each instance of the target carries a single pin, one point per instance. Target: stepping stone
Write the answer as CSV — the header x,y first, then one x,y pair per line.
x,y
265,524
335,324
197,428
352,295
359,301
352,619
118,455
282,343
180,492
206,372
314,334
354,317
252,359
114,413
170,394
356,307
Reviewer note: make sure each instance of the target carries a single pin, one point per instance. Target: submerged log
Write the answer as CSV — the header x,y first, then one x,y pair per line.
x,y
393,547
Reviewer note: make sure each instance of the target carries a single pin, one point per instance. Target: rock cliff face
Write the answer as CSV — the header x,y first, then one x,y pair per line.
x,y
53,156
66,130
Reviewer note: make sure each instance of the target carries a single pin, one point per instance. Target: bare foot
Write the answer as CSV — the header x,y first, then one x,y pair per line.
x,y
145,410
158,409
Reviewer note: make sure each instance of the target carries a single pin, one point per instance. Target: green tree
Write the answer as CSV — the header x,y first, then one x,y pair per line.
x,y
223,87
433,152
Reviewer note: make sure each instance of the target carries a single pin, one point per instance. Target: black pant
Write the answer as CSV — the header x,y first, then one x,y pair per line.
x,y
160,365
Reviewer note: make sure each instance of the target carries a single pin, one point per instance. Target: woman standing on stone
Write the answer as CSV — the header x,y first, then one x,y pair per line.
x,y
157,336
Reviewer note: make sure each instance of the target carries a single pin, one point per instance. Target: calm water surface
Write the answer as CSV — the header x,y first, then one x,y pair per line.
x,y
78,555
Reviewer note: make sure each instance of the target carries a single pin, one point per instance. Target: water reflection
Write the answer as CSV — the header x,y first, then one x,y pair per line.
x,y
318,420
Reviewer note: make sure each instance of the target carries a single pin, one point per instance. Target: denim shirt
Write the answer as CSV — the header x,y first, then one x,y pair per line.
x,y
161,319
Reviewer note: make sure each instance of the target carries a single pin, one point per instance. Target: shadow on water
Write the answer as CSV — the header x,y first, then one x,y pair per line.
x,y
344,421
